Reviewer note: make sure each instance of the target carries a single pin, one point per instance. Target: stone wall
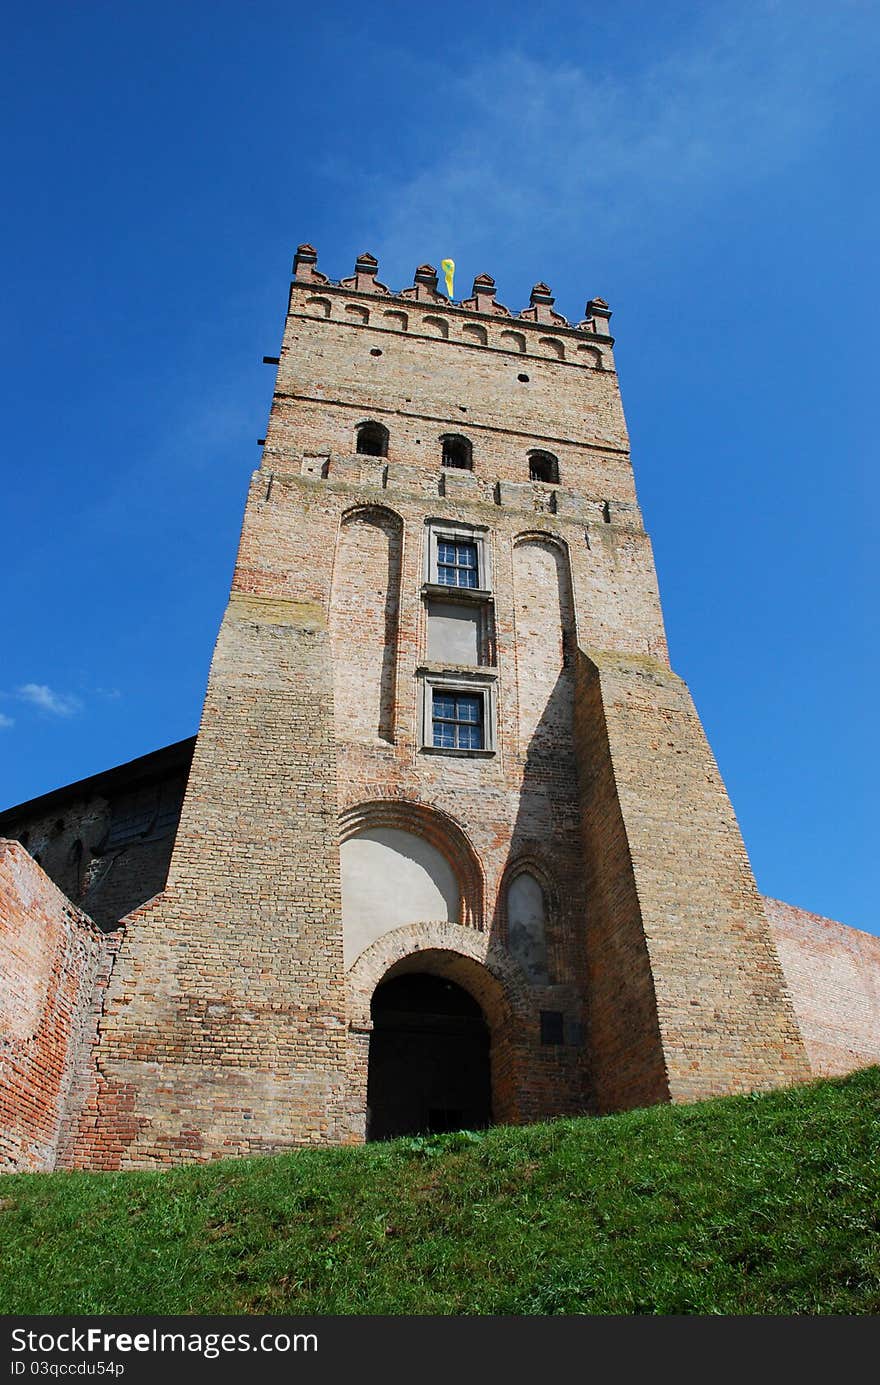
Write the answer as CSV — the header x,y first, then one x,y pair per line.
x,y
53,964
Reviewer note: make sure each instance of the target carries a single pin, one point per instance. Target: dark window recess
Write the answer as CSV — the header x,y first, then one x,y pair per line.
x,y
457,564
372,440
457,453
457,720
543,466
551,1027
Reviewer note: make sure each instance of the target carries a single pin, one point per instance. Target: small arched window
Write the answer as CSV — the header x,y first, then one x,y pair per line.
x,y
457,452
543,466
372,440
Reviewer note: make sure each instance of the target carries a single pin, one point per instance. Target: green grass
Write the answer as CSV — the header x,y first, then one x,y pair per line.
x,y
765,1204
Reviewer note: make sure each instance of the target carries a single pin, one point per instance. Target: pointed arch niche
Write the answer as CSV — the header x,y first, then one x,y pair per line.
x,y
364,613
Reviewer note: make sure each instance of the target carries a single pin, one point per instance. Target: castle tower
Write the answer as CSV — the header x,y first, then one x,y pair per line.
x,y
454,847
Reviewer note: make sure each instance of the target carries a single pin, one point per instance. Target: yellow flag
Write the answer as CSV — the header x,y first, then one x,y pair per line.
x,y
448,267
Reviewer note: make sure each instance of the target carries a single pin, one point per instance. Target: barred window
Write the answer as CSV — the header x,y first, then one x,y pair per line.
x,y
457,720
543,466
457,564
457,452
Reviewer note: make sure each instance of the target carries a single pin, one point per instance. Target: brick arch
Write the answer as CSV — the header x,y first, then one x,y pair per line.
x,y
370,511
437,828
542,535
482,968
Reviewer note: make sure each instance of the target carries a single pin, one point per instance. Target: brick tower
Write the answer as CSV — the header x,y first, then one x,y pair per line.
x,y
454,846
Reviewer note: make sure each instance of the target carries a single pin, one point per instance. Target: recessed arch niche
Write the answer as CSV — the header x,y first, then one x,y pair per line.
x,y
401,864
545,637
365,595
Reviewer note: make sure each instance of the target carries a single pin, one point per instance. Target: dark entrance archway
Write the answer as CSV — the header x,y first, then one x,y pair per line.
x,y
429,1059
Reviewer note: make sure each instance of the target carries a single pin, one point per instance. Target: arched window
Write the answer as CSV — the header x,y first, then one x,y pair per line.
x,y
457,452
372,440
543,466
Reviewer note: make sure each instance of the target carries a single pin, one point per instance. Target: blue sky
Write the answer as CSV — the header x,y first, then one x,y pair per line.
x,y
710,169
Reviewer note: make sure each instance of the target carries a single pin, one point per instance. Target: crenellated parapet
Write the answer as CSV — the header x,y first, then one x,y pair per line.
x,y
424,289
540,308
482,298
364,280
481,303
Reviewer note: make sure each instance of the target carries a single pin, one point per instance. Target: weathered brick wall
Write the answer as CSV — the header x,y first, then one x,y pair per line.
x,y
833,974
52,962
224,1027
725,1020
106,842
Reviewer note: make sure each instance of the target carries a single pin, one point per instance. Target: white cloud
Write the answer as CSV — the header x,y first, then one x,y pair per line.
x,y
59,704
543,152
6,721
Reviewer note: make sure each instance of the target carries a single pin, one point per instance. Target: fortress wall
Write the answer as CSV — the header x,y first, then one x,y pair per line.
x,y
52,959
833,974
224,1030
106,842
725,1018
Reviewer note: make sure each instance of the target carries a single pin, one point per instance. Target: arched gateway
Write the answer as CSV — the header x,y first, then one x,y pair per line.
x,y
436,1024
428,1058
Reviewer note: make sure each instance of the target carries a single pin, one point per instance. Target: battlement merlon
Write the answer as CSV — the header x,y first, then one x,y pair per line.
x,y
482,303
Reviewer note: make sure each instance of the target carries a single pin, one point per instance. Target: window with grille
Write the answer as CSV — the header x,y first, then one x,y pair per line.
x,y
543,466
457,563
457,452
457,720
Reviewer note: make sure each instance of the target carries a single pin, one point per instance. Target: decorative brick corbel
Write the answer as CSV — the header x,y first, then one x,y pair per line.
x,y
483,300
540,308
304,262
364,280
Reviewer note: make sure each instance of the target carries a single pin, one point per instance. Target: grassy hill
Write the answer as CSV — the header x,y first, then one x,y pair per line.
x,y
760,1204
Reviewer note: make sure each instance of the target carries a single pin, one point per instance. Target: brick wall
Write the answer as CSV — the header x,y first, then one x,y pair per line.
x,y
680,906
53,961
224,1027
833,974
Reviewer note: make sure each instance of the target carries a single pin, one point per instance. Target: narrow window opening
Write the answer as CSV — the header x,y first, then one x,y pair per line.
x,y
543,466
457,452
372,440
